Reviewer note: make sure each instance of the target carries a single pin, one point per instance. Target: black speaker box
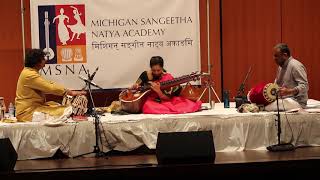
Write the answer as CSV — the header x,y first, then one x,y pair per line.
x,y
185,148
8,155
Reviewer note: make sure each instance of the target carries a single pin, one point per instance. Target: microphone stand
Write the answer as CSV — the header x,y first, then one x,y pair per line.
x,y
280,146
96,149
241,98
209,87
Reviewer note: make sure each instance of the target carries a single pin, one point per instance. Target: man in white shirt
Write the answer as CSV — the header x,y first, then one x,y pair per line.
x,y
291,76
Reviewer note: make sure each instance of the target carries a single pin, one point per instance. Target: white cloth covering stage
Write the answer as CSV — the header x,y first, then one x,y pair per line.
x,y
232,131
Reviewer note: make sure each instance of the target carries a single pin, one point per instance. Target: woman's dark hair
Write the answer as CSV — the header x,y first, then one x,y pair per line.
x,y
33,57
156,60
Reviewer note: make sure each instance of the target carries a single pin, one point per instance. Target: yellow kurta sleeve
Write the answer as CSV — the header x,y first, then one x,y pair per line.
x,y
35,81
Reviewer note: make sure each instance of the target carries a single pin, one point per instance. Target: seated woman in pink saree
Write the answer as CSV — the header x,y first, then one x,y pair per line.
x,y
163,101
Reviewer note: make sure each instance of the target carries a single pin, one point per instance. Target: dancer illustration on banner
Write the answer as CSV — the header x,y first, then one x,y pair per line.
x,y
62,28
78,28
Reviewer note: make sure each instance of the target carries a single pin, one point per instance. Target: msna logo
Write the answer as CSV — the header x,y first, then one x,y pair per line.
x,y
62,33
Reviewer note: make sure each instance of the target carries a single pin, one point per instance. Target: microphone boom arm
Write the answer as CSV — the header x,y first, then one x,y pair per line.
x,y
241,88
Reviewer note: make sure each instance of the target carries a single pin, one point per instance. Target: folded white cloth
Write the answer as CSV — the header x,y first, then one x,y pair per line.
x,y
47,120
286,104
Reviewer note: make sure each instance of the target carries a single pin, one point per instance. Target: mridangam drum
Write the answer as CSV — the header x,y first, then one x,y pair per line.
x,y
263,94
78,103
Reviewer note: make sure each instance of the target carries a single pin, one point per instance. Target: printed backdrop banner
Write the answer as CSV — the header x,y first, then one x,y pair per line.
x,y
118,36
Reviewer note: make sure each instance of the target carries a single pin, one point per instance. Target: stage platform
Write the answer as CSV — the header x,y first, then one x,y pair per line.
x,y
303,162
232,131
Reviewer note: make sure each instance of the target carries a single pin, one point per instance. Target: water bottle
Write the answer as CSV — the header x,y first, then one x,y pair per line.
x,y
11,110
226,100
2,108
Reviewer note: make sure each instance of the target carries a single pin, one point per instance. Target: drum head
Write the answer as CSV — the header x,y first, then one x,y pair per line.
x,y
270,91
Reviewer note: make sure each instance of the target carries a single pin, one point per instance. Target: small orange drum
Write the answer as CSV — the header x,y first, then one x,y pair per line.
x,y
263,94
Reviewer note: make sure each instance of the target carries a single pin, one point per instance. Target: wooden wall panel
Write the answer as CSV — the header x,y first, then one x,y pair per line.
x,y
300,29
215,45
11,60
250,29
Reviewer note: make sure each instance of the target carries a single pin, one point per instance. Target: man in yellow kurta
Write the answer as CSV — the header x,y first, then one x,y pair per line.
x,y
31,89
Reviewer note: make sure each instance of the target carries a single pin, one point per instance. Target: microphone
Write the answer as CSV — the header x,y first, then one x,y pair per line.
x,y
94,73
86,80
